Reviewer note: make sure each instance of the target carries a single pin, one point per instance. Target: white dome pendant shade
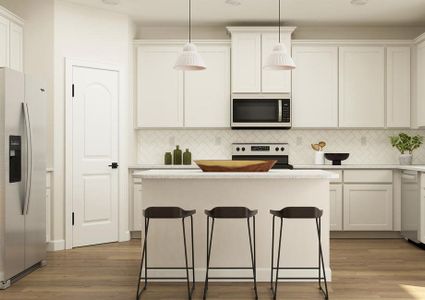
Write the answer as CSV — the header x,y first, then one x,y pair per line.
x,y
190,59
279,59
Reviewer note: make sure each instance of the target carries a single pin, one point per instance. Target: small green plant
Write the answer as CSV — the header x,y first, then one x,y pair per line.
x,y
403,142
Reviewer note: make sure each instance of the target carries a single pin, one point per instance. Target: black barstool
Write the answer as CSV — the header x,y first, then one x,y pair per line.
x,y
298,213
167,213
231,213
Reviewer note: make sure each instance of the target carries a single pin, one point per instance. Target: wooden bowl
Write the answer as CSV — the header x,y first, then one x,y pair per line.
x,y
235,165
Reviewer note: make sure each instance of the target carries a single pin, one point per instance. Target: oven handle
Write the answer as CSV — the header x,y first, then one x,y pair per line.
x,y
280,111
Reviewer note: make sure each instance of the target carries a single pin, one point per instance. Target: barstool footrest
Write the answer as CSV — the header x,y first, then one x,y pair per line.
x,y
230,268
167,268
296,268
163,278
300,278
231,278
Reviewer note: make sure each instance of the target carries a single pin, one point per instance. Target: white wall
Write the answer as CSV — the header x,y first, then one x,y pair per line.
x,y
38,50
88,34
302,32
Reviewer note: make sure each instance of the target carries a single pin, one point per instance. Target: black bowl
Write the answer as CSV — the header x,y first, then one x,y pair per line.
x,y
336,158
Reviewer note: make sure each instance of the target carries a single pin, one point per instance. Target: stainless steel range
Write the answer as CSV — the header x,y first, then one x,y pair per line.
x,y
266,151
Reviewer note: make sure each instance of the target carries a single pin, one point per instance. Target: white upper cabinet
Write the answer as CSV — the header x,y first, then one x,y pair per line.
x,y
315,87
159,87
246,63
207,92
251,47
362,87
398,87
16,47
274,81
420,86
167,98
11,40
4,42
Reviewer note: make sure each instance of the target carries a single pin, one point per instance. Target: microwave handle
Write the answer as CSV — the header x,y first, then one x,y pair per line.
x,y
280,110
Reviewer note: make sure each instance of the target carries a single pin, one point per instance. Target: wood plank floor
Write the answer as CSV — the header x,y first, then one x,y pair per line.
x,y
362,269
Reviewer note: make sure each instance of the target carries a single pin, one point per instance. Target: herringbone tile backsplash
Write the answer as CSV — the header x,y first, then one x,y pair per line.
x,y
364,146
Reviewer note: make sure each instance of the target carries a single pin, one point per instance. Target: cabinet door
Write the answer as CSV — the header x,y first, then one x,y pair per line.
x,y
420,86
246,63
274,81
315,87
335,213
207,93
16,47
362,87
137,207
398,87
159,87
368,207
4,42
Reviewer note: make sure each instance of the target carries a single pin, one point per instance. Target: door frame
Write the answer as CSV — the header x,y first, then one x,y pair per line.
x,y
123,207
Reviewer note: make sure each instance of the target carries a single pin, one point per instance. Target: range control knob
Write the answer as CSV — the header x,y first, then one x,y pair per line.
x,y
243,148
282,149
277,149
238,149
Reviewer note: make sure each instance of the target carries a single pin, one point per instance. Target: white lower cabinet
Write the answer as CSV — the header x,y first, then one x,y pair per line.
x,y
368,207
335,212
137,205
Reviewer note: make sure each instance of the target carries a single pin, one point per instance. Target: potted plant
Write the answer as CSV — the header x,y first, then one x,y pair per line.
x,y
405,143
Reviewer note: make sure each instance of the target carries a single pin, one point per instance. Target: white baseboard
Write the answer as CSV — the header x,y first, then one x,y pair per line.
x,y
125,236
56,245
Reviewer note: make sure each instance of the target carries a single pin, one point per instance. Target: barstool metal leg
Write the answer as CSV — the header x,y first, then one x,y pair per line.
x,y
272,262
186,260
209,246
321,259
193,254
143,259
278,259
252,254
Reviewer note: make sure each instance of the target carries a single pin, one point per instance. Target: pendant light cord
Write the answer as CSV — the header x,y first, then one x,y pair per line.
x,y
190,21
279,21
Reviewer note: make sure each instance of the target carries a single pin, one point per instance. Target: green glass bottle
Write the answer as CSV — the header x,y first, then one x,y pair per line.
x,y
177,156
168,158
187,157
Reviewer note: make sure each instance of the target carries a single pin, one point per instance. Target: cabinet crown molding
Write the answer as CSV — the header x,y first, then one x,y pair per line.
x,y
179,42
261,29
11,16
356,42
420,38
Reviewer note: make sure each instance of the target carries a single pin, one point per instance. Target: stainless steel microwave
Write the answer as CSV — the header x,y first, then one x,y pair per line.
x,y
261,111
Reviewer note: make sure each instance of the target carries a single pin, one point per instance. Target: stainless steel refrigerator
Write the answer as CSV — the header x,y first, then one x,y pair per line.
x,y
22,175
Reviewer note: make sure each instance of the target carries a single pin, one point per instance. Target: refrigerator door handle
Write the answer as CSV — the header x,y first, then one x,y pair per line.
x,y
29,158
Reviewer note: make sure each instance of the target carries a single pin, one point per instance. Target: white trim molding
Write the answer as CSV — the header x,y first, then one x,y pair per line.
x,y
356,42
178,42
56,245
261,29
11,16
123,224
420,38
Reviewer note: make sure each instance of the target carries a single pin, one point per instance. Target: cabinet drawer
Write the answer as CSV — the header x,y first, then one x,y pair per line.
x,y
368,176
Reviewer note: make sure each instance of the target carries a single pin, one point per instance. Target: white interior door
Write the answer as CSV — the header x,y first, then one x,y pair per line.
x,y
95,147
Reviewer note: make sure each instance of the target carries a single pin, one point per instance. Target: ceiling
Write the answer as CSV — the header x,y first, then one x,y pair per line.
x,y
263,12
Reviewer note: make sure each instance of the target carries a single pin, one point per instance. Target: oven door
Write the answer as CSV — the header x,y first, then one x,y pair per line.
x,y
260,113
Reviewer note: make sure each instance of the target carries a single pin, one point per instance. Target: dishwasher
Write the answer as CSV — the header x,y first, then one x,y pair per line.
x,y
410,206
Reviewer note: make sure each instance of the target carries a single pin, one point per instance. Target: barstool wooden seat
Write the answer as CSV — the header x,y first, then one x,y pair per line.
x,y
167,213
231,213
298,213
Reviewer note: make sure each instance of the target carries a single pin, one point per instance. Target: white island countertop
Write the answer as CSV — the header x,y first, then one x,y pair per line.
x,y
272,174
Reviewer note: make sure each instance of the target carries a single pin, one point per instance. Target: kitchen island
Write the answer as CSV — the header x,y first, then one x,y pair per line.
x,y
194,189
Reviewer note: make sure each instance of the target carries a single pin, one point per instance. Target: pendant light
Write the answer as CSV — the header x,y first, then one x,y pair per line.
x,y
190,59
279,59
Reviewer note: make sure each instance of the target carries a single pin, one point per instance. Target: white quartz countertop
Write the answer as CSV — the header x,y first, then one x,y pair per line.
x,y
419,168
272,174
